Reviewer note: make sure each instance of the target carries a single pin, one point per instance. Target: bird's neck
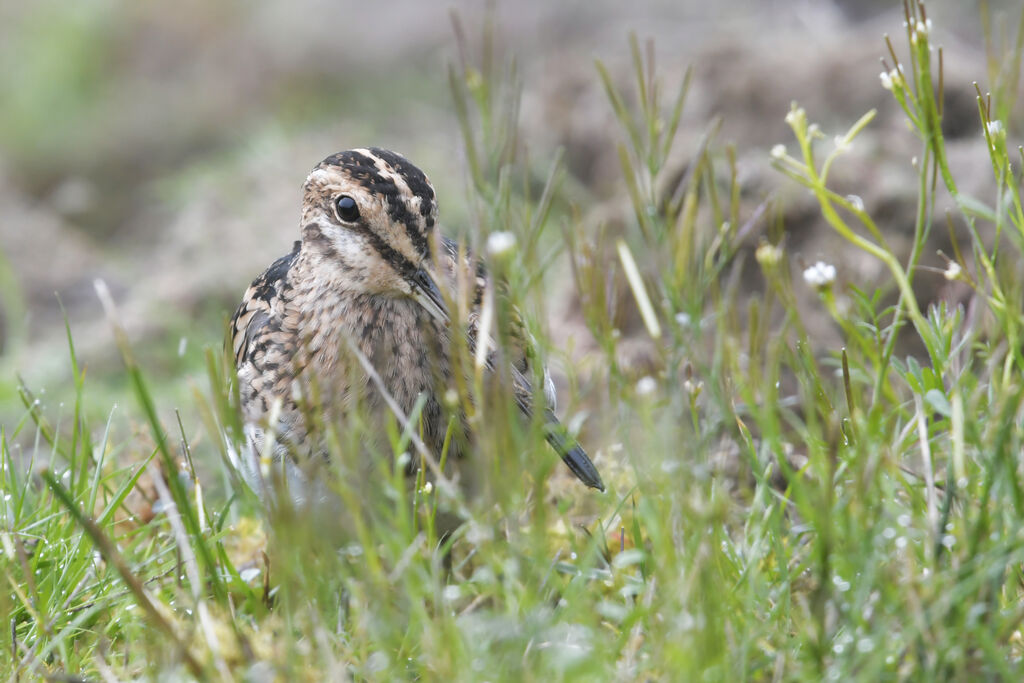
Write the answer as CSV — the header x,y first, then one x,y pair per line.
x,y
339,296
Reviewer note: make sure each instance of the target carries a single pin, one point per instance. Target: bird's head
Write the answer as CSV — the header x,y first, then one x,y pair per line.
x,y
370,215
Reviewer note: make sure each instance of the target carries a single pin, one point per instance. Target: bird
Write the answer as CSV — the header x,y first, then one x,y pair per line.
x,y
355,313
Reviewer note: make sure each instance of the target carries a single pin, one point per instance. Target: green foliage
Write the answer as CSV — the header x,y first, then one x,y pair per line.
x,y
776,508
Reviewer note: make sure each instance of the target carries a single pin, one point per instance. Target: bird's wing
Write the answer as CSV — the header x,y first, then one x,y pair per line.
x,y
450,261
261,350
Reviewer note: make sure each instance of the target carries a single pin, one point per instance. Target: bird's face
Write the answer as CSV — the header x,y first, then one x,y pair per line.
x,y
369,215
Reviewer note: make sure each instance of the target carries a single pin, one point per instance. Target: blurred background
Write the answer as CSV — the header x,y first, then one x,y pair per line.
x,y
162,146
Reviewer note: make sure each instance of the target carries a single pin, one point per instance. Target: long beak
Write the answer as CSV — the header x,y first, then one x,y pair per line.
x,y
428,295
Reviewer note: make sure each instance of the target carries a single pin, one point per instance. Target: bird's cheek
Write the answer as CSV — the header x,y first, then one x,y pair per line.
x,y
382,279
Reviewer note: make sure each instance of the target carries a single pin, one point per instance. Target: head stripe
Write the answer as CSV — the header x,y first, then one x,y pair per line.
x,y
405,189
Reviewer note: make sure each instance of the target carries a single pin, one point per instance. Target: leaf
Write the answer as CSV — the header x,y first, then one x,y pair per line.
x,y
938,402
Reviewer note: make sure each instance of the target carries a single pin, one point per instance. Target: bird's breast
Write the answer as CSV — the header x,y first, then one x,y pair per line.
x,y
407,348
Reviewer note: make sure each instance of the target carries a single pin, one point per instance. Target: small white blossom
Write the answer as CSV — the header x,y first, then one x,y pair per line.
x,y
842,143
995,128
646,386
856,201
952,271
500,243
820,275
921,31
893,80
403,459
768,255
796,116
778,151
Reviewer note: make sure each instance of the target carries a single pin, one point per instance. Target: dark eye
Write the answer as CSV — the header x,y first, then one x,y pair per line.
x,y
347,209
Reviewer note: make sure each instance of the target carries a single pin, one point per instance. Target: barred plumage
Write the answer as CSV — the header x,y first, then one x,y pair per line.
x,y
363,271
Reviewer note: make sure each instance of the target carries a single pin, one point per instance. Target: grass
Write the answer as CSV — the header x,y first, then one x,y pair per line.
x,y
777,508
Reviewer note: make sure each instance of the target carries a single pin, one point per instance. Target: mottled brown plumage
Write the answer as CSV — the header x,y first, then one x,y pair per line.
x,y
363,274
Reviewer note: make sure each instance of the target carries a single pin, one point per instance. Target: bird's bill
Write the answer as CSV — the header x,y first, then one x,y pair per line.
x,y
428,295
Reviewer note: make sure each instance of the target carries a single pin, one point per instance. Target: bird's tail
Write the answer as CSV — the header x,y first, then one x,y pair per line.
x,y
572,453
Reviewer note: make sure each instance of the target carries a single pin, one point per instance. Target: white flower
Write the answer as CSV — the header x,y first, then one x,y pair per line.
x,y
894,79
403,460
646,386
500,243
768,254
820,275
886,80
995,128
778,151
952,271
797,116
855,201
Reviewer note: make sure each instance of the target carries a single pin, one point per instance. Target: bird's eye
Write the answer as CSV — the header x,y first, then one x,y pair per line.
x,y
347,209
